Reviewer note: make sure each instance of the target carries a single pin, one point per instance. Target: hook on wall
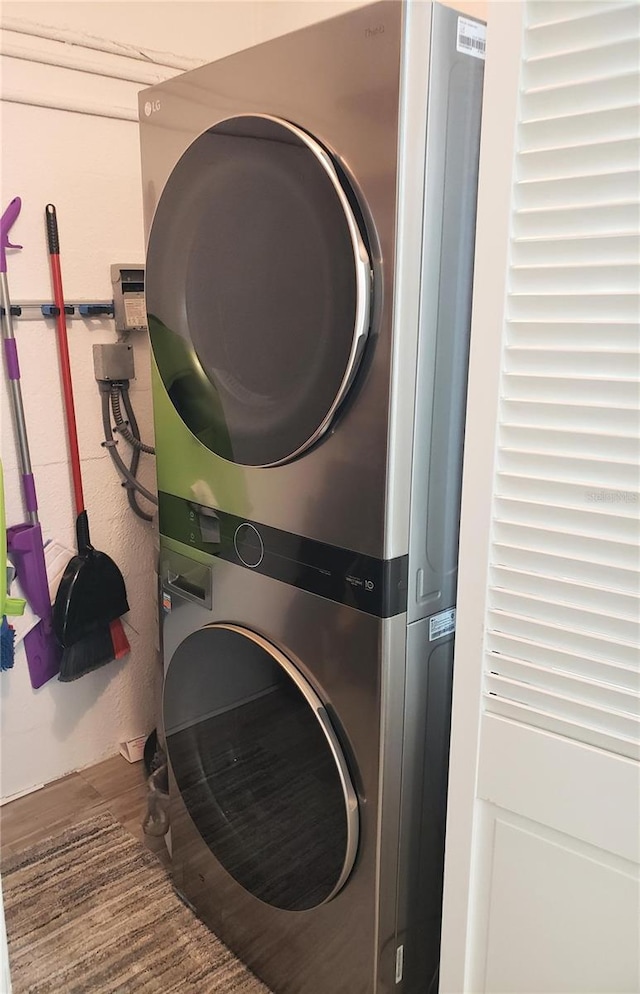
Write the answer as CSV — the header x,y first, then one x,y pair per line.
x,y
75,309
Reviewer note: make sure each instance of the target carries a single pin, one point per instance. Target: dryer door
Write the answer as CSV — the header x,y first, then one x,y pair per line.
x,y
258,288
259,767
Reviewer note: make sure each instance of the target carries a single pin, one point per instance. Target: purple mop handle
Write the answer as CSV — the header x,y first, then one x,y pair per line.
x,y
6,223
11,356
13,372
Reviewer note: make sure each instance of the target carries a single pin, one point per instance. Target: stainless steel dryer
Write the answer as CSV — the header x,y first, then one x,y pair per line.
x,y
310,205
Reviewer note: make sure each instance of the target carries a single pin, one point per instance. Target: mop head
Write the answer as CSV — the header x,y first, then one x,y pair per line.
x,y
7,640
96,649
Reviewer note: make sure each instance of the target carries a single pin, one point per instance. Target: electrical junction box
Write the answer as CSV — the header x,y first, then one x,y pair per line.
x,y
129,308
113,362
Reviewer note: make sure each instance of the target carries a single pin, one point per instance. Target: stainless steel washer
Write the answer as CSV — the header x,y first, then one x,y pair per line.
x,y
310,208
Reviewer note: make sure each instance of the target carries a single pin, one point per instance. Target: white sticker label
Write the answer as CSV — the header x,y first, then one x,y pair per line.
x,y
472,38
442,624
135,312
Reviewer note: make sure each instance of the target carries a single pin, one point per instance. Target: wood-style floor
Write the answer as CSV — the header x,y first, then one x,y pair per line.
x,y
114,786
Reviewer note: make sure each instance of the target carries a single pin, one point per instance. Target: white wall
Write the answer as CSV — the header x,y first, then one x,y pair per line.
x,y
88,167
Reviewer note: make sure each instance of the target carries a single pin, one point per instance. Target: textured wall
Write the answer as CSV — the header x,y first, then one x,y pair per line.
x,y
88,167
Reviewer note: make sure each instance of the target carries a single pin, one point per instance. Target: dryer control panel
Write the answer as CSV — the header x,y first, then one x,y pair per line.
x,y
375,586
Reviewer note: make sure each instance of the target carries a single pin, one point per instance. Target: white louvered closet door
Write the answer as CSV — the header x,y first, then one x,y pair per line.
x,y
544,826
564,606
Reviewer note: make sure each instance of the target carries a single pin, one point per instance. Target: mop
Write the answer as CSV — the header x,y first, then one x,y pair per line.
x,y
24,541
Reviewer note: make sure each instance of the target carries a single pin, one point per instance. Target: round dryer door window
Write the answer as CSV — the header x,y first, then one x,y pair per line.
x,y
259,767
258,286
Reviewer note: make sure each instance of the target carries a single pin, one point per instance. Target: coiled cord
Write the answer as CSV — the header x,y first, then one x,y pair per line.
x,y
132,437
131,483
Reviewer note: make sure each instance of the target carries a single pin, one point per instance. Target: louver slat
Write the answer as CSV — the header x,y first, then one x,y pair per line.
x,y
586,691
584,65
607,156
615,91
566,705
586,188
584,30
562,494
574,222
558,389
584,620
524,556
544,656
542,12
574,728
600,599
563,623
538,279
558,132
593,522
575,335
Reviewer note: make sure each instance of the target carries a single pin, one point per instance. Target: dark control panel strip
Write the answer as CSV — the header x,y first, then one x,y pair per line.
x,y
375,586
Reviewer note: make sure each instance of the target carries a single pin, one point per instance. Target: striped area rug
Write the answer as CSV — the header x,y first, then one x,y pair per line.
x,y
92,912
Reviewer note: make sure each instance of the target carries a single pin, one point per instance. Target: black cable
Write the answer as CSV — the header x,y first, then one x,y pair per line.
x,y
111,445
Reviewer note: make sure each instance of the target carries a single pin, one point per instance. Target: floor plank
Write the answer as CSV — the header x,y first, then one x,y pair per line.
x,y
114,776
54,807
130,808
113,785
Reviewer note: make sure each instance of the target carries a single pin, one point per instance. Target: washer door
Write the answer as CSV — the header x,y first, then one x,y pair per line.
x,y
259,767
258,288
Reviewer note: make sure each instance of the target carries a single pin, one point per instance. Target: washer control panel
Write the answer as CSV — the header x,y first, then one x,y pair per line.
x,y
375,586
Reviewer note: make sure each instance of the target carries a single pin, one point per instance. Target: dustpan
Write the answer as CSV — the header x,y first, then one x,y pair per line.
x,y
91,596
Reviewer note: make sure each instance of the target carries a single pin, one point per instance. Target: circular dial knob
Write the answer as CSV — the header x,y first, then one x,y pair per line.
x,y
248,545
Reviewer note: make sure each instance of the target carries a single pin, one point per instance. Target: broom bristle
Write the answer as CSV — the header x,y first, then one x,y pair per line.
x,y
119,640
7,645
95,650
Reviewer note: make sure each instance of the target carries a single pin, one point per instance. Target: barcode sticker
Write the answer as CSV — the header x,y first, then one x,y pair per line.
x,y
472,38
442,624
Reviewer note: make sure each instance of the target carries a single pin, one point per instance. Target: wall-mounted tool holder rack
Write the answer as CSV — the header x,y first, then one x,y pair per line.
x,y
127,307
32,309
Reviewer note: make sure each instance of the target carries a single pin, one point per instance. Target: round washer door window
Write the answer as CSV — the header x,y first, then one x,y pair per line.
x,y
258,286
259,767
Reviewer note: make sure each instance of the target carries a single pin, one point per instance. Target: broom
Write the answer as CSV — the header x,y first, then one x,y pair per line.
x,y
92,594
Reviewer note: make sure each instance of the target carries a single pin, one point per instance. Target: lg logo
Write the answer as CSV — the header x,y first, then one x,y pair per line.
x,y
151,107
368,584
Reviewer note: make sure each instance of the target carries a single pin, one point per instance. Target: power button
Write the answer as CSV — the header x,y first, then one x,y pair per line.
x,y
248,545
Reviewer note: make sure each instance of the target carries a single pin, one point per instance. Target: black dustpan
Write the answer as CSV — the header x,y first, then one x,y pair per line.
x,y
91,588
92,595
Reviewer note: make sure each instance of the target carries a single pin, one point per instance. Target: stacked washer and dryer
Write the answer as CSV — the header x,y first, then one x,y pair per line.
x,y
310,206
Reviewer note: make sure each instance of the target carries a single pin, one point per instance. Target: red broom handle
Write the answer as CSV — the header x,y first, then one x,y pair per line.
x,y
63,354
